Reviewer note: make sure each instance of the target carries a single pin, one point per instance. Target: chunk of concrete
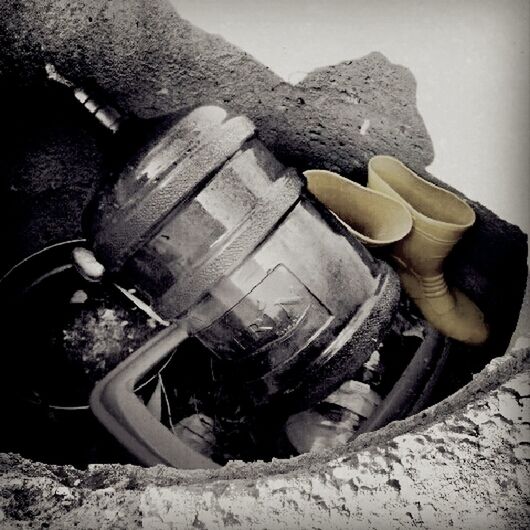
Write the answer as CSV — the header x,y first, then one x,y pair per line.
x,y
148,61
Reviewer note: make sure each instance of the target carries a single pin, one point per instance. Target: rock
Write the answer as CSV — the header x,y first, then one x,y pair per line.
x,y
87,265
139,54
79,297
149,62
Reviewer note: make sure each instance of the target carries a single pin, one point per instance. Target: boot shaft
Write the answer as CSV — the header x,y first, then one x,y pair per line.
x,y
440,218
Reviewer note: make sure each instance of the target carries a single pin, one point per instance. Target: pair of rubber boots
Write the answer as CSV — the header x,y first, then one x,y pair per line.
x,y
421,222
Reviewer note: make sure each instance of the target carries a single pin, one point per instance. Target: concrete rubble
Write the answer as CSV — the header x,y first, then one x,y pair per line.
x,y
150,61
462,463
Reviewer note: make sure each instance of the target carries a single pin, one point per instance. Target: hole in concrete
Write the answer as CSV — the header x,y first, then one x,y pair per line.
x,y
67,333
72,436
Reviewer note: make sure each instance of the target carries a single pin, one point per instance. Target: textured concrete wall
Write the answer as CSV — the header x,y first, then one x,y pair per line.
x,y
150,61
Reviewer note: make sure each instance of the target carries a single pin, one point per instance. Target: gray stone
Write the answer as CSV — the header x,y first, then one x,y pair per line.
x,y
150,62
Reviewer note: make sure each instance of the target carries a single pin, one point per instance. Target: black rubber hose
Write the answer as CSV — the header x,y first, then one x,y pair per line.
x,y
410,387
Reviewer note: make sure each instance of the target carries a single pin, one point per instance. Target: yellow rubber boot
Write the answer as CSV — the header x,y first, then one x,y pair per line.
x,y
374,218
440,219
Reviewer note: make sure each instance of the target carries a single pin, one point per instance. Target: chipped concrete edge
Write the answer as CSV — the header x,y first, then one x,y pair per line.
x,y
462,463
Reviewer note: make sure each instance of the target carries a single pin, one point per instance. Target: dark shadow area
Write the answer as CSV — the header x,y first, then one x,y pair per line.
x,y
53,161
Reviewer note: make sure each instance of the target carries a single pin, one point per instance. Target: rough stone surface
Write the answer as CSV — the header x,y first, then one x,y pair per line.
x,y
468,470
463,463
150,62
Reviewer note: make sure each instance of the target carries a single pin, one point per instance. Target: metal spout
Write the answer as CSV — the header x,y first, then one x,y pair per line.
x,y
108,116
